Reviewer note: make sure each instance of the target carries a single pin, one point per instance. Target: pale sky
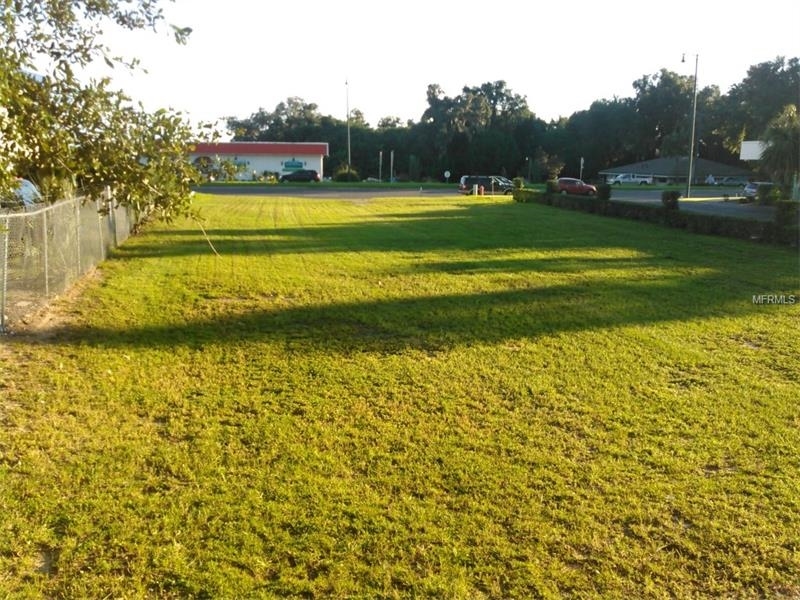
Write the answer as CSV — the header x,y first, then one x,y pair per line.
x,y
249,54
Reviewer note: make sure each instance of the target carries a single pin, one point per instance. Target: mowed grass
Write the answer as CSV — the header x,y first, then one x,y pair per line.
x,y
439,397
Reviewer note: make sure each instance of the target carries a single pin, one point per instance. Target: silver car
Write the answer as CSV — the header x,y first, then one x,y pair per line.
x,y
750,191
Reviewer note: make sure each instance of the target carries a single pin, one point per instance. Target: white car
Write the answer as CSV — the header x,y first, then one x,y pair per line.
x,y
632,178
26,196
751,190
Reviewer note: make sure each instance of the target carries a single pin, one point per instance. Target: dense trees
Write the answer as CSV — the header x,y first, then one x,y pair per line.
x,y
768,88
63,132
491,128
781,158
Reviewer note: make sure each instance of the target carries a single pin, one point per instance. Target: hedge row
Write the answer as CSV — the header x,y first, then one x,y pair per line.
x,y
783,230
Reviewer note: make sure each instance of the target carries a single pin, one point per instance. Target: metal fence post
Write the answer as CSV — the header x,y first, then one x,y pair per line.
x,y
4,265
77,206
112,219
46,255
100,230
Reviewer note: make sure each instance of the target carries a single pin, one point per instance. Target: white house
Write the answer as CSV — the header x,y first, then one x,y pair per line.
x,y
258,158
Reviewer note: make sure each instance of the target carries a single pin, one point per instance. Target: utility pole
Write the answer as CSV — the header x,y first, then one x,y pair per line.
x,y
347,101
694,120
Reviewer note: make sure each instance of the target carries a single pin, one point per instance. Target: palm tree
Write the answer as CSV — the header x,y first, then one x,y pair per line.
x,y
781,156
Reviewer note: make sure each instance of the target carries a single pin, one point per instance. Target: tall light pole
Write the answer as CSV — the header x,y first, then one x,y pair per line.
x,y
347,101
694,120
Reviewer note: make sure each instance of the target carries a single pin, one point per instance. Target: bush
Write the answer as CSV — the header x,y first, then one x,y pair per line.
x,y
551,187
768,194
590,204
786,212
529,195
55,188
784,230
669,198
519,183
603,191
345,174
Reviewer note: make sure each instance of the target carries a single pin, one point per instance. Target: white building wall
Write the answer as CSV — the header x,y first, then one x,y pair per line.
x,y
258,164
280,164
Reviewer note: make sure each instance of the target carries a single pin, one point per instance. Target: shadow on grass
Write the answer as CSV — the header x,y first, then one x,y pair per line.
x,y
425,323
667,276
464,227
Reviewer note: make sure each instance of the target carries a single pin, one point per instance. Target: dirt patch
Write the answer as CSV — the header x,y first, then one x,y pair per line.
x,y
43,322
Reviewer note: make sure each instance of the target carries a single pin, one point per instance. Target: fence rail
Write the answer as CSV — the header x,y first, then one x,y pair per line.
x,y
43,252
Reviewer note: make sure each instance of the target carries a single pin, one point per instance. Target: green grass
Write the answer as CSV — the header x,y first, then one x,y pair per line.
x,y
441,397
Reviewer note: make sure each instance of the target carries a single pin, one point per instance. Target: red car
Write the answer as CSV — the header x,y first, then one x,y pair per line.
x,y
568,185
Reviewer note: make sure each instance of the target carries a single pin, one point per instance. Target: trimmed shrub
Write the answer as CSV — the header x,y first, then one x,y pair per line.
x,y
551,187
590,204
345,174
603,191
786,212
785,232
528,195
669,198
768,194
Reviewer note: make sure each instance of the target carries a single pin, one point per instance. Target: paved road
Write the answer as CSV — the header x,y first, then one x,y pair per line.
x,y
323,191
710,200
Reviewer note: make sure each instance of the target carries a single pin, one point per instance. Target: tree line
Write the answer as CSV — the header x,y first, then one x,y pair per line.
x,y
491,129
66,133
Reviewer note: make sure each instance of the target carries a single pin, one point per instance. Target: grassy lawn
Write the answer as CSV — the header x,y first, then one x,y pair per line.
x,y
434,398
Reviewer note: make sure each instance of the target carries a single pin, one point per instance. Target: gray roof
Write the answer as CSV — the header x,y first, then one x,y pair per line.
x,y
678,167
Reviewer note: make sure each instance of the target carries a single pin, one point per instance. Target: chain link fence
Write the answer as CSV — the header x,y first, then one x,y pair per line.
x,y
43,252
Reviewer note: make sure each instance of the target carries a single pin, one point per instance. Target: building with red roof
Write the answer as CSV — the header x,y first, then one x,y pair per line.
x,y
255,159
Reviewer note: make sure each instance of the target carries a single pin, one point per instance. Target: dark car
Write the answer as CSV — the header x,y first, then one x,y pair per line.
x,y
570,185
491,184
301,175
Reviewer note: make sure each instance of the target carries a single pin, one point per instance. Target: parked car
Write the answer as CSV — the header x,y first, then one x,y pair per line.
x,y
492,184
631,178
751,190
731,181
301,175
26,196
570,185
